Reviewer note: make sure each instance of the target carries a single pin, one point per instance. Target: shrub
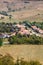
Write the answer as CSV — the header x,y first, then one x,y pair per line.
x,y
22,62
6,60
33,39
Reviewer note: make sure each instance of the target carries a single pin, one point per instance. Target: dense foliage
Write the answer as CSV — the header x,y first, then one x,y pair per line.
x,y
7,27
8,60
38,24
19,39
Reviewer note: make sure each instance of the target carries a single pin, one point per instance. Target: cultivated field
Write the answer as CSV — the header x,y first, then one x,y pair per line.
x,y
28,52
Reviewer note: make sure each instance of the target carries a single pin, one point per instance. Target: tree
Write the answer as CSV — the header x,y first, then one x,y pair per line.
x,y
1,41
10,16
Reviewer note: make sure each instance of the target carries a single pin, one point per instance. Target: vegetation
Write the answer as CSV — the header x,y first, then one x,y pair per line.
x,y
4,13
1,41
38,24
19,39
22,62
7,27
8,60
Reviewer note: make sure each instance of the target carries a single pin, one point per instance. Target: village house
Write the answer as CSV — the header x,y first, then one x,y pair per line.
x,y
3,35
20,29
13,34
41,31
20,26
23,31
37,29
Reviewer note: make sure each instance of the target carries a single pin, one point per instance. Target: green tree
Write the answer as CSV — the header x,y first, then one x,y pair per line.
x,y
10,16
1,41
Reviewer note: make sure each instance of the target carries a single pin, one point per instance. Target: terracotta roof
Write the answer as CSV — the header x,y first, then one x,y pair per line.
x,y
24,32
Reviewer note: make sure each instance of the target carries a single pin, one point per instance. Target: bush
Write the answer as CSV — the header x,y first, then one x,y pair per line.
x,y
4,13
34,63
22,62
8,60
33,39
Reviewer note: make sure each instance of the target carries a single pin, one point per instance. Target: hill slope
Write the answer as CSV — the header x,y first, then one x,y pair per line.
x,y
22,9
5,5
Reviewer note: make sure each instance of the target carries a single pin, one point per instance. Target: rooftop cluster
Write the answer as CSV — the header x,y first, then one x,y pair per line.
x,y
24,28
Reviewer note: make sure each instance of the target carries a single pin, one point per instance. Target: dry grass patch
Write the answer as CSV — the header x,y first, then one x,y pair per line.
x,y
28,52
